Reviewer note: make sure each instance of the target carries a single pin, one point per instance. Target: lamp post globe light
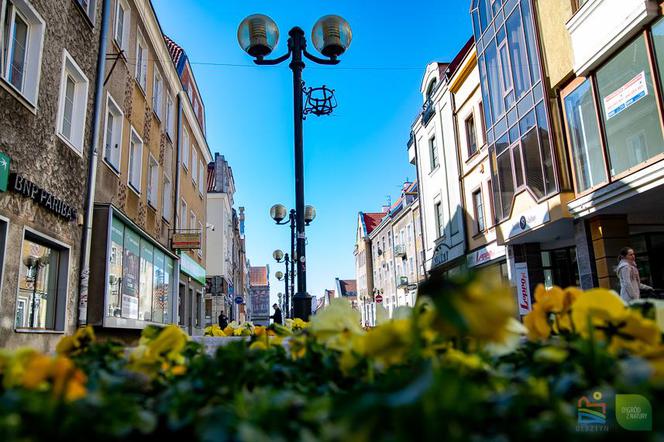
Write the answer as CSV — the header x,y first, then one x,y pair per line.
x,y
258,35
280,257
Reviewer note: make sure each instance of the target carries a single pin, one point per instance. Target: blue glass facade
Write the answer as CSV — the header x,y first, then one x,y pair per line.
x,y
516,113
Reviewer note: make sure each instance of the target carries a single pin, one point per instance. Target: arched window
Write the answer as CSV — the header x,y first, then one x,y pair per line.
x,y
431,88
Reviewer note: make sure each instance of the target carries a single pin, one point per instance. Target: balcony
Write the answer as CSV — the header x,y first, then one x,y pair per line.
x,y
428,111
600,27
402,281
400,251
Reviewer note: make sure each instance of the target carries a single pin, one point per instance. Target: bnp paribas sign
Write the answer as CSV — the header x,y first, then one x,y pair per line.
x,y
4,171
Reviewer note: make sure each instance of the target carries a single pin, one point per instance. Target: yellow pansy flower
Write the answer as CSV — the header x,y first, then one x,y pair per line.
x,y
390,342
551,312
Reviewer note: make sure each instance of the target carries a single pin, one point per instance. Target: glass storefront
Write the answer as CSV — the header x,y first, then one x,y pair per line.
x,y
625,92
140,277
629,108
560,268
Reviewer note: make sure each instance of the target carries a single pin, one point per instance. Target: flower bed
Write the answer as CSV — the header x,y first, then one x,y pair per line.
x,y
456,367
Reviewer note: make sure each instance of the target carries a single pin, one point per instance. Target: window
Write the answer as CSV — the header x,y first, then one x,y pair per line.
x,y
141,63
185,148
633,130
153,183
433,150
122,24
183,215
89,6
157,93
73,103
584,136
146,281
492,211
115,268
201,179
478,209
194,164
113,134
440,223
21,40
518,57
159,294
170,116
42,286
471,138
192,220
482,121
168,197
135,161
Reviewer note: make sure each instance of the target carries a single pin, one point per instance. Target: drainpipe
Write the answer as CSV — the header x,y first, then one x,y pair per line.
x,y
176,196
462,190
86,236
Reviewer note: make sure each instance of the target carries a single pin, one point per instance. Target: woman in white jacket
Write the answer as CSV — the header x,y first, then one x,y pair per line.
x,y
628,273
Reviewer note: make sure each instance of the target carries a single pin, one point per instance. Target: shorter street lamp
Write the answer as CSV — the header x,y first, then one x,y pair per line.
x,y
34,264
279,213
280,257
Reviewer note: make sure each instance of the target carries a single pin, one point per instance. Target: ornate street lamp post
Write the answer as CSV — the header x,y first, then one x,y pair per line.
x,y
331,35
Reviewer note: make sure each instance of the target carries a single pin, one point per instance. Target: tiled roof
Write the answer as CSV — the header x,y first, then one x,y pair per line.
x,y
348,287
174,49
258,276
454,65
371,220
211,178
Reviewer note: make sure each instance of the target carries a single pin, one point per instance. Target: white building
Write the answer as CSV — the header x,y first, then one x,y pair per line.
x,y
432,149
221,189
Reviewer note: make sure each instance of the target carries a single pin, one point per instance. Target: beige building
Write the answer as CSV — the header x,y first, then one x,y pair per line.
x,y
133,269
484,252
150,184
366,223
396,251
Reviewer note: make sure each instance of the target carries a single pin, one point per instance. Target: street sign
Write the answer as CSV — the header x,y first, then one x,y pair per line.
x,y
4,171
379,299
239,299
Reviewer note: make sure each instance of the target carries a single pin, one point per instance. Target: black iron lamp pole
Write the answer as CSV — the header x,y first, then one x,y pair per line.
x,y
258,35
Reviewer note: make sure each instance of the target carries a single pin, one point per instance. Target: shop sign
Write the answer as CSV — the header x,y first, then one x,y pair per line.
x,y
530,219
44,198
191,268
523,287
485,254
440,255
630,93
4,171
190,240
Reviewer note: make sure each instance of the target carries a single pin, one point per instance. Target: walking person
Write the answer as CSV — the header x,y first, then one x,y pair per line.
x,y
223,320
628,274
276,317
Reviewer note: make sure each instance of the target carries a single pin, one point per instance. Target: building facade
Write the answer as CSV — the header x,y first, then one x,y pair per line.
x,y
484,253
432,149
223,224
133,271
259,295
191,190
613,119
395,248
48,72
363,252
526,144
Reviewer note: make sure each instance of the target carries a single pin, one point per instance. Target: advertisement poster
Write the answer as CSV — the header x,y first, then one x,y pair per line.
x,y
523,287
130,267
633,91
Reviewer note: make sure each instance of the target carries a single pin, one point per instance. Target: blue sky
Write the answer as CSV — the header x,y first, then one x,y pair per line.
x,y
355,158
